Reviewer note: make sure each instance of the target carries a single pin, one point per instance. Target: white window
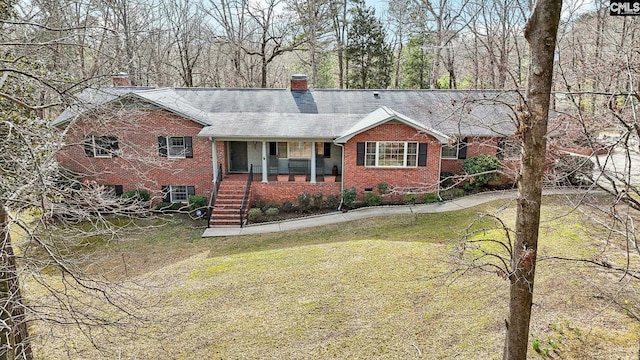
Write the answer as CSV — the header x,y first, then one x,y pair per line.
x,y
294,150
282,150
507,149
450,152
323,149
178,194
299,149
391,154
176,147
100,146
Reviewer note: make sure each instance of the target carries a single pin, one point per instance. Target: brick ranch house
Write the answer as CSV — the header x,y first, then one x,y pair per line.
x,y
175,142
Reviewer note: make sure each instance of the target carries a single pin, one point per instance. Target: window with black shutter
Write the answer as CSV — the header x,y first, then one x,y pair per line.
x,y
327,150
175,147
177,193
500,149
162,146
166,193
88,146
188,147
390,154
422,154
101,146
462,149
360,154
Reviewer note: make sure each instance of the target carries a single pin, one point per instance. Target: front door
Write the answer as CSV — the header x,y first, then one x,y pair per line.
x,y
238,156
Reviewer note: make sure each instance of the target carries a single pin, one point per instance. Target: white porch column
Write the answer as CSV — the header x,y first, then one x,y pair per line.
x,y
313,162
214,159
265,169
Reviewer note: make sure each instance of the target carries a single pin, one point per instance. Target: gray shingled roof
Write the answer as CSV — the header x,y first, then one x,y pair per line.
x,y
278,125
321,114
167,99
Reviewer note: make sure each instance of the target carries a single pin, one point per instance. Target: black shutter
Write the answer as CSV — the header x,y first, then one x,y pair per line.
x,y
162,146
360,154
88,146
113,142
327,150
188,147
166,195
462,149
273,149
118,189
191,190
500,150
113,145
422,154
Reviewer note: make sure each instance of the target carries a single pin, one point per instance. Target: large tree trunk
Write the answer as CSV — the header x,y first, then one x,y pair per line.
x,y
340,67
436,68
398,60
263,72
14,335
540,31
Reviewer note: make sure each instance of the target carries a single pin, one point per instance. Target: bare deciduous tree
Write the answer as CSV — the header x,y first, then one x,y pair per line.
x,y
446,20
45,211
540,31
339,10
274,32
314,18
188,31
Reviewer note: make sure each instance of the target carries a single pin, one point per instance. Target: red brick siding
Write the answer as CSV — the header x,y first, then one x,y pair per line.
x,y
423,178
221,154
299,85
475,147
277,191
139,165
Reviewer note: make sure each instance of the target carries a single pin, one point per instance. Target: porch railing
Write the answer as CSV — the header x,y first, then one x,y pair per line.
x,y
247,189
214,195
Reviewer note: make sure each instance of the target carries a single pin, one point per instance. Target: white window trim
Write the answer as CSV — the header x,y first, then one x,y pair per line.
x,y
404,157
184,148
171,191
278,154
457,146
94,148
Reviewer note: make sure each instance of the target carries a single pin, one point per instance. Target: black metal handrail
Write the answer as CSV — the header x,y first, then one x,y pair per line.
x,y
247,188
214,195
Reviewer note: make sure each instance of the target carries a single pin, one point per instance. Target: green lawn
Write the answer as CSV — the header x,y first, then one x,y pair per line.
x,y
378,288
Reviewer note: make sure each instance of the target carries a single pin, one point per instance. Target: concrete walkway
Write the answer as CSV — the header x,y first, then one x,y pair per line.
x,y
362,213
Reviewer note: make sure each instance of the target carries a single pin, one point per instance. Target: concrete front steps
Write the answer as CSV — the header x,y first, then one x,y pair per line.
x,y
226,210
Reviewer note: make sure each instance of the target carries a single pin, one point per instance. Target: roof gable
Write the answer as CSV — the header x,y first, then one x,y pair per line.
x,y
384,115
98,98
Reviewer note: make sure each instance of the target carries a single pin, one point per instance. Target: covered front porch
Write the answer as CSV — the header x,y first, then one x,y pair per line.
x,y
279,161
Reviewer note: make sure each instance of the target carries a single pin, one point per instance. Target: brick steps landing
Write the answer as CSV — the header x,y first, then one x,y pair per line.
x,y
226,211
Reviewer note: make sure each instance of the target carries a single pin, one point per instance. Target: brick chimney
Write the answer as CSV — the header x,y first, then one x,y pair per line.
x,y
299,82
121,79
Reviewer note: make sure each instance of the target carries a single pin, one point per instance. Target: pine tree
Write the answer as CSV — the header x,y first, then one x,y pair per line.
x,y
368,55
417,65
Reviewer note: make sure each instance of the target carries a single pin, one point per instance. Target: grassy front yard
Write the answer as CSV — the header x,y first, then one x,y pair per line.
x,y
378,288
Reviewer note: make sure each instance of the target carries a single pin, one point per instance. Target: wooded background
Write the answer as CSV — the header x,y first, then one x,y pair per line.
x,y
404,44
